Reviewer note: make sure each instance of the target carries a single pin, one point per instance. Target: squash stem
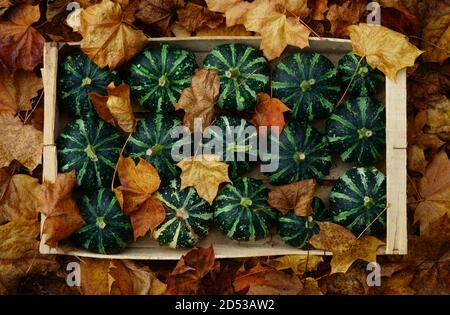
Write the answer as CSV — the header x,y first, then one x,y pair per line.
x,y
363,71
364,133
246,202
307,85
157,149
163,81
86,81
100,223
232,73
299,157
90,152
368,202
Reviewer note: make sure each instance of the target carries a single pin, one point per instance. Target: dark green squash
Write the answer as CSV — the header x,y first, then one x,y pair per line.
x,y
78,76
91,147
356,130
244,72
108,230
303,153
235,140
308,84
158,76
366,80
358,200
188,216
241,211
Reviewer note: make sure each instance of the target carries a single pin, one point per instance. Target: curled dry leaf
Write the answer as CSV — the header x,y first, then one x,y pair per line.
x,y
135,195
19,196
107,39
320,7
116,107
21,46
342,16
158,14
436,33
234,9
438,114
194,17
269,112
4,5
416,159
19,142
187,276
17,91
199,99
345,246
434,188
395,54
299,264
63,217
205,173
297,196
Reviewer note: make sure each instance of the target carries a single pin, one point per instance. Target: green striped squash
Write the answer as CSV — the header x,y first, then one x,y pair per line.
x,y
78,76
308,84
158,76
366,79
358,198
244,72
235,140
303,153
108,230
91,147
188,216
296,230
153,141
356,130
241,211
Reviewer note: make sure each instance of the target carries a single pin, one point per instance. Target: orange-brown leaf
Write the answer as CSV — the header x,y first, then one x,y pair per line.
x,y
148,217
297,196
195,16
21,46
320,7
436,32
158,14
269,112
116,107
341,16
199,99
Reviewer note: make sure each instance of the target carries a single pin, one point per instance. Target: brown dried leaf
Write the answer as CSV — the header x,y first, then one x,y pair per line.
x,y
199,99
297,196
436,33
4,5
21,46
269,112
342,16
194,17
148,217
299,264
320,7
416,159
19,142
107,37
438,114
345,246
234,10
158,14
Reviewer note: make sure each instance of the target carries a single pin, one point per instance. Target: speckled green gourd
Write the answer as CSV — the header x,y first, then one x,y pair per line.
x,y
91,147
243,71
108,230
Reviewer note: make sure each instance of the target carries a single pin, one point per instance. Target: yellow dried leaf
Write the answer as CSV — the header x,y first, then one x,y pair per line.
x,y
416,159
205,173
436,32
383,48
107,39
236,30
296,196
299,264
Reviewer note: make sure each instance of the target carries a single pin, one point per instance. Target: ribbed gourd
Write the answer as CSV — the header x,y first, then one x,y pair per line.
x,y
241,211
235,140
243,71
188,216
91,147
357,130
108,230
303,153
158,76
363,79
78,76
358,200
308,84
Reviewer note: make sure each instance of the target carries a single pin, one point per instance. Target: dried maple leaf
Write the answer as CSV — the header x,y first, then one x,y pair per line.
x,y
17,91
269,112
63,217
21,46
135,195
4,5
194,16
263,280
107,39
276,28
342,16
234,9
438,114
205,173
416,159
19,196
297,196
199,99
186,277
395,54
436,33
116,107
345,246
19,142
434,189
299,264
158,14
320,7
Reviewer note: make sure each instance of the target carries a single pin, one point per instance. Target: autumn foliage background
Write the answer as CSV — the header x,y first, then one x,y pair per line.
x,y
26,24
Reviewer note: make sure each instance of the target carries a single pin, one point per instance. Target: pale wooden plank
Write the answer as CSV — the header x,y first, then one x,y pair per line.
x,y
49,77
396,144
